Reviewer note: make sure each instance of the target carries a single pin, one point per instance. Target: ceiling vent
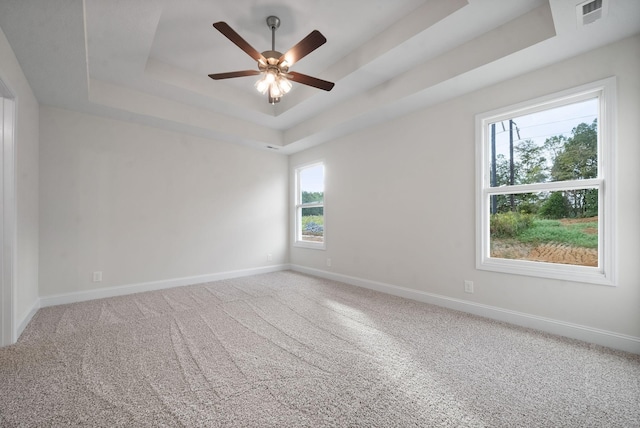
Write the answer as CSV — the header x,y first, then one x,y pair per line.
x,y
591,11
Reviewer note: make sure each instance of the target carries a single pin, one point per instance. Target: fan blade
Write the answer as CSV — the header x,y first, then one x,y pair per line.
x,y
310,81
232,74
313,41
230,34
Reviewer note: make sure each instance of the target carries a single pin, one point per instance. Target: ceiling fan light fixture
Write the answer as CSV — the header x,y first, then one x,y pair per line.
x,y
279,87
264,83
273,66
274,83
262,86
284,84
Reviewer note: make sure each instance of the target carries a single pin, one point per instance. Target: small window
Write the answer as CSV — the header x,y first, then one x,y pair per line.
x,y
309,205
545,186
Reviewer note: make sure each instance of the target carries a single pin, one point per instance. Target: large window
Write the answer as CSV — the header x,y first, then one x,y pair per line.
x,y
309,206
545,186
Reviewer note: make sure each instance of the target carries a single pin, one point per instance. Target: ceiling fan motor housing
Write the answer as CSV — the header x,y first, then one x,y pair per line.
x,y
272,58
273,22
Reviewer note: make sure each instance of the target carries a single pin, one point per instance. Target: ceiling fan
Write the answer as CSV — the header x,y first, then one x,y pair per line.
x,y
273,65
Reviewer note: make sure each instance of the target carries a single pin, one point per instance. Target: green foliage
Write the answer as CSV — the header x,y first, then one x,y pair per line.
x,y
556,206
558,159
313,225
312,198
590,203
502,170
553,146
582,202
532,167
529,168
509,224
528,205
553,231
578,158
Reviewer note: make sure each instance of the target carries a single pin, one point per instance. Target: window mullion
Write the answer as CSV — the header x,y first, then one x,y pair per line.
x,y
591,183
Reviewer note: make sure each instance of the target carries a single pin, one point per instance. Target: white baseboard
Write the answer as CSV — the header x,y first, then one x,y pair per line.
x,y
22,324
121,290
575,331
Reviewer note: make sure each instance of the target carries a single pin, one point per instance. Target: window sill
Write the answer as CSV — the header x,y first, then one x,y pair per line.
x,y
310,245
584,274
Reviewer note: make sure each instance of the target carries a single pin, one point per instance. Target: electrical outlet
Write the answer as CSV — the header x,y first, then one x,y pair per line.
x,y
328,262
97,276
269,257
468,286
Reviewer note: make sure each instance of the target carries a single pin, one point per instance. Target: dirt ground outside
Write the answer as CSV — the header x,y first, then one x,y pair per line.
x,y
551,253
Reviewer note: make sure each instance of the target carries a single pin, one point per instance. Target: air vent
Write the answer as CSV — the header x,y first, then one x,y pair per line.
x,y
591,11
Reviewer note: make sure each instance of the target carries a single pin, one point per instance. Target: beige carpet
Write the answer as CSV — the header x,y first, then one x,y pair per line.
x,y
289,350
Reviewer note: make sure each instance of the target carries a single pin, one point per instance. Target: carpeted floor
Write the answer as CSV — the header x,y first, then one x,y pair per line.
x,y
290,350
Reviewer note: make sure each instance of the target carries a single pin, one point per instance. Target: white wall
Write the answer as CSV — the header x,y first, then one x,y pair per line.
x,y
400,201
142,204
26,140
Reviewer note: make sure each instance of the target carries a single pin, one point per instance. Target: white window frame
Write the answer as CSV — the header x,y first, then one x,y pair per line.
x,y
604,273
297,232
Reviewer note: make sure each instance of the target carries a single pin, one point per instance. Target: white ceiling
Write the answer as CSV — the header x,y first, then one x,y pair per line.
x,y
147,60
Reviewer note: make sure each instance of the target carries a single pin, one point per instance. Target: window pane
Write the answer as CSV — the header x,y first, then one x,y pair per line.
x,y
558,144
312,184
552,227
312,224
